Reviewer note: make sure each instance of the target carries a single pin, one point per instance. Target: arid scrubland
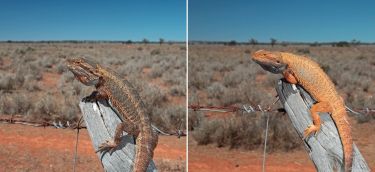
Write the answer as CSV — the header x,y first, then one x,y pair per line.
x,y
35,83
223,75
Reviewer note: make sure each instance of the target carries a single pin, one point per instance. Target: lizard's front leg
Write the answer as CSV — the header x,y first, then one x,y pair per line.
x,y
112,144
289,76
315,127
99,94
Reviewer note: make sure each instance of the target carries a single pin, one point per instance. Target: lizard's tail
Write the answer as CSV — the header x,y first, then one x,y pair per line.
x,y
344,130
144,151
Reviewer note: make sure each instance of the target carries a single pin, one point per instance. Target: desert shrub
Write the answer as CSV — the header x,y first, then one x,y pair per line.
x,y
241,73
199,80
152,96
66,77
77,87
16,103
70,109
60,68
47,62
232,78
46,108
23,103
260,96
315,44
363,118
171,118
231,43
247,132
20,75
30,49
7,104
342,44
195,118
215,90
7,82
231,96
178,90
175,77
34,69
175,116
155,52
303,50
30,83
204,134
20,51
157,70
247,51
171,165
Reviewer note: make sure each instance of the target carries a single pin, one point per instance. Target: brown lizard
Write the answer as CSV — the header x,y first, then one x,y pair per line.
x,y
126,100
307,73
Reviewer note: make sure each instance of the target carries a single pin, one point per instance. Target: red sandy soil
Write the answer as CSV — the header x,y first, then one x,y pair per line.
x,y
211,158
26,148
50,80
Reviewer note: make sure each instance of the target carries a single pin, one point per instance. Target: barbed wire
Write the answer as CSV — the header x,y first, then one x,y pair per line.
x,y
18,119
258,108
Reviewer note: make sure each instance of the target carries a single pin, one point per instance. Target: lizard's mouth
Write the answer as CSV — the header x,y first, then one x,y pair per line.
x,y
83,75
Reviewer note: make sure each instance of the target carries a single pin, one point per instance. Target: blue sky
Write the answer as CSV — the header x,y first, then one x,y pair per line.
x,y
293,20
92,20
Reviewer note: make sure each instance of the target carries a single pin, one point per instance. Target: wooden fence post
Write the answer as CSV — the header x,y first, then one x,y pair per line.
x,y
101,122
324,149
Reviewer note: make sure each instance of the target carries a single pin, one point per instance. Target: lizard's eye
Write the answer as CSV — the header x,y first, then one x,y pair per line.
x,y
277,61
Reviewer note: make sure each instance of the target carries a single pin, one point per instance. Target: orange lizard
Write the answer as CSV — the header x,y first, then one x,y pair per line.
x,y
307,73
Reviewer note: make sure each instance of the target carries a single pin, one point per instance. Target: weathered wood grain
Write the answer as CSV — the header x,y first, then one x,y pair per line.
x,y
324,149
101,122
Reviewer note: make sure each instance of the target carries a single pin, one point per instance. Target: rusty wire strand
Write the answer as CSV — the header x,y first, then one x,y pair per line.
x,y
252,109
12,120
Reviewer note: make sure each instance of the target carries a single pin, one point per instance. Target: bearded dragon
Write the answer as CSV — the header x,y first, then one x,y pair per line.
x,y
307,73
125,99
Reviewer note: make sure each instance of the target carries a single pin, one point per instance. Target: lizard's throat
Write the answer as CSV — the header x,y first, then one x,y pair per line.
x,y
273,68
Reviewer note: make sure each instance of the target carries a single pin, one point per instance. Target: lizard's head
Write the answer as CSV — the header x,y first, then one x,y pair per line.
x,y
270,61
85,70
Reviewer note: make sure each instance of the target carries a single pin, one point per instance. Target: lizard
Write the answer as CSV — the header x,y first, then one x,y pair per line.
x,y
303,71
124,98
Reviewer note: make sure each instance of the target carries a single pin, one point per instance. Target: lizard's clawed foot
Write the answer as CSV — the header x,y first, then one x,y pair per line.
x,y
107,145
310,129
91,98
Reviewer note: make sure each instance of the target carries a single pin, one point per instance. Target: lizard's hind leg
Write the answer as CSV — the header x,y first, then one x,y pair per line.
x,y
315,127
112,144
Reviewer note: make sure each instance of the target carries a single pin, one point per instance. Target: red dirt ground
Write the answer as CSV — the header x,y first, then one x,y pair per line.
x,y
50,80
26,148
211,158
